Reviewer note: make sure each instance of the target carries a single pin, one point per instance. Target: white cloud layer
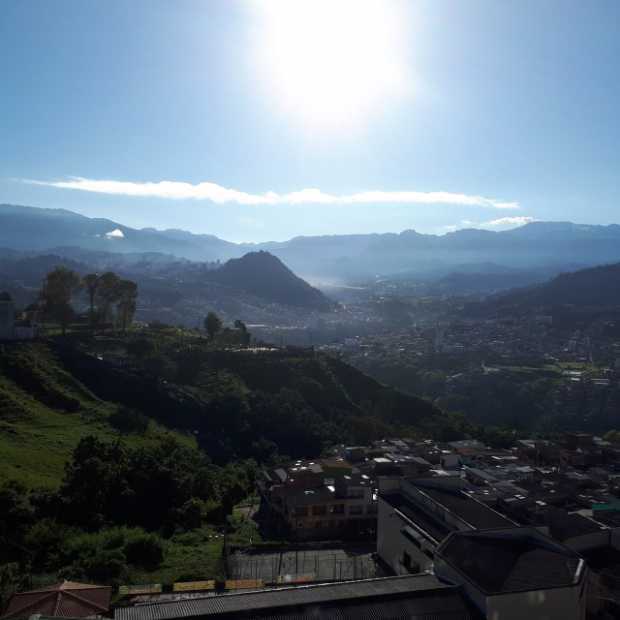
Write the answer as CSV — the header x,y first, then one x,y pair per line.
x,y
220,195
508,222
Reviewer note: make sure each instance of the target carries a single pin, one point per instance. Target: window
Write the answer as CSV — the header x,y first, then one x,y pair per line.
x,y
318,511
355,510
301,511
337,509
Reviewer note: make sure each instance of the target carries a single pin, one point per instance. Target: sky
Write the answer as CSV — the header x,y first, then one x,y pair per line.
x,y
259,121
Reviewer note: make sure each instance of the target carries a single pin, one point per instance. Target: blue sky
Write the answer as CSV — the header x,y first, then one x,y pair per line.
x,y
215,116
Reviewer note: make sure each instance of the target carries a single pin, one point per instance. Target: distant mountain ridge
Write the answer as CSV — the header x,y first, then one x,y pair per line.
x,y
595,287
346,257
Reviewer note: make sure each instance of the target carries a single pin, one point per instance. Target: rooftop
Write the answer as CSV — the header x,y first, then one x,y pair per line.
x,y
511,560
454,498
411,596
66,599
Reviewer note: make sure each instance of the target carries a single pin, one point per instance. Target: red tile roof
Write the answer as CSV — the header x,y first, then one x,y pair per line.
x,y
66,599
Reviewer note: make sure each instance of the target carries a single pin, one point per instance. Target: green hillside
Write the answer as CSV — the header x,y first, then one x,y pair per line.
x,y
45,411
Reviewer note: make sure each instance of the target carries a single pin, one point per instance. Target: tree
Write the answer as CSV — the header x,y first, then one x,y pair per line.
x,y
213,324
91,284
108,294
127,295
58,288
245,334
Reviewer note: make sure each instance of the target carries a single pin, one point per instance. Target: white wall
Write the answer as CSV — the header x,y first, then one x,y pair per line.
x,y
391,543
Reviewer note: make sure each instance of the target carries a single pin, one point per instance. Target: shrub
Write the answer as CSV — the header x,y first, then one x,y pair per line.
x,y
128,420
145,550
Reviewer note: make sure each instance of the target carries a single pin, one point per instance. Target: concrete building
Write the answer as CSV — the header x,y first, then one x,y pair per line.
x,y
321,499
515,573
415,516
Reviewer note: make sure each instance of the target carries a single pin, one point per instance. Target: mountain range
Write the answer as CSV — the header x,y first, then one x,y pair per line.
x,y
556,245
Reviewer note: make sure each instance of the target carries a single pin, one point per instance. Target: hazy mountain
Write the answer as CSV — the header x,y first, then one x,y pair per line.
x,y
345,257
30,228
597,286
592,288
265,275
257,287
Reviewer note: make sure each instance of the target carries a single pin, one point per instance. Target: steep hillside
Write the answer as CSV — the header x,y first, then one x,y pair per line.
x,y
45,411
237,404
266,276
243,404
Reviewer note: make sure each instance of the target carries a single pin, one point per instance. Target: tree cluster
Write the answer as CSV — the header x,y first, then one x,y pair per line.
x,y
115,508
111,299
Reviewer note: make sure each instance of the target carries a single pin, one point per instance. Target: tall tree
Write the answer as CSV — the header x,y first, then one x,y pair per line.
x,y
108,294
58,289
213,325
127,296
91,284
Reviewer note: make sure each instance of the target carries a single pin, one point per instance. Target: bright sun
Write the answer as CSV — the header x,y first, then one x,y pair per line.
x,y
332,62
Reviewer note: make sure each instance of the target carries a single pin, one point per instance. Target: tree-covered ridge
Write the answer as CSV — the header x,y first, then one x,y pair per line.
x,y
596,287
246,402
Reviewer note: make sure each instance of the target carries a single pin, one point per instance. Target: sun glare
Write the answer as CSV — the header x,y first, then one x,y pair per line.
x,y
332,62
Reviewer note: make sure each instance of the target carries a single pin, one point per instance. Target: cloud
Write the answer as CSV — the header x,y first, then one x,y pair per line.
x,y
221,195
117,233
508,222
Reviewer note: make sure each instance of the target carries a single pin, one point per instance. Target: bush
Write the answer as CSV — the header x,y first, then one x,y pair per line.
x,y
145,550
128,420
103,556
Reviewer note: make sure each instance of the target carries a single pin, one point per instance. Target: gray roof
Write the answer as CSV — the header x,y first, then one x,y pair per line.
x,y
368,592
511,560
452,497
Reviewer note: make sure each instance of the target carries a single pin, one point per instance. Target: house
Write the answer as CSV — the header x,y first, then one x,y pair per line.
x,y
321,499
515,573
68,599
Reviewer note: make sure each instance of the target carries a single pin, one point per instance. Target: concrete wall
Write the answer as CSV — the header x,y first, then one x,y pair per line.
x,y
392,543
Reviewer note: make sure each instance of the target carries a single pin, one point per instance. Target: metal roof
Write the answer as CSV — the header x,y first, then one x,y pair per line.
x,y
365,592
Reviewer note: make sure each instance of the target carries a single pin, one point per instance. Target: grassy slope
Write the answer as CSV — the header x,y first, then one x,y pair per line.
x,y
44,412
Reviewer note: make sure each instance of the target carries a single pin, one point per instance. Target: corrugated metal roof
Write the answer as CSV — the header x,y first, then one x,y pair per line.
x,y
313,595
